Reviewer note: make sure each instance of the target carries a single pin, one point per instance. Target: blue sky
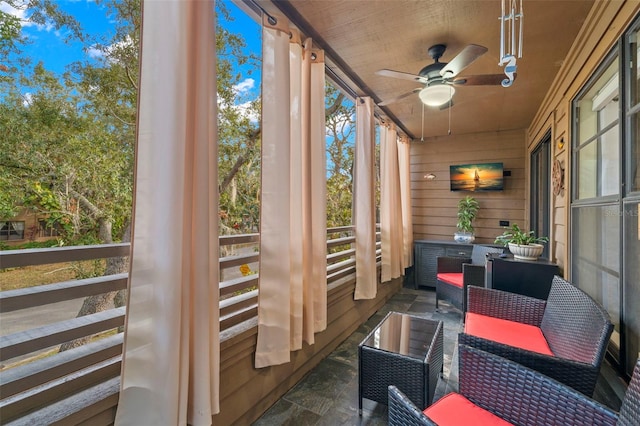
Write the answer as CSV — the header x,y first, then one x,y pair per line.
x,y
48,45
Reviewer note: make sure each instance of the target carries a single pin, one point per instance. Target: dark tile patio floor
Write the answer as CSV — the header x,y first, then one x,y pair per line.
x,y
328,395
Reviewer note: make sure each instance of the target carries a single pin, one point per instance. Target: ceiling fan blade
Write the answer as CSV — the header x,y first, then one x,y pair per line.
x,y
398,98
402,75
463,60
481,80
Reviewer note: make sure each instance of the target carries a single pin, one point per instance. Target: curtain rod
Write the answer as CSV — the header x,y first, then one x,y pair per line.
x,y
345,86
255,6
340,82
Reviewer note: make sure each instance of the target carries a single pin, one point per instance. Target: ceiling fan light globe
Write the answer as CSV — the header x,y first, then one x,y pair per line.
x,y
436,95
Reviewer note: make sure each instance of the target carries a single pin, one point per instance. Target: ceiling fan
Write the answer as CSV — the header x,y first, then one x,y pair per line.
x,y
439,78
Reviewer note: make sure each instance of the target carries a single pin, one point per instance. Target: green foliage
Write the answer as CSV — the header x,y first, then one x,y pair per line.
x,y
31,245
88,269
10,36
515,235
238,133
340,125
67,146
44,200
467,210
68,150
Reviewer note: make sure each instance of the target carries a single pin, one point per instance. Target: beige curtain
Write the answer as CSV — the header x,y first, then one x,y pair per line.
x,y
170,373
292,303
404,168
390,205
364,207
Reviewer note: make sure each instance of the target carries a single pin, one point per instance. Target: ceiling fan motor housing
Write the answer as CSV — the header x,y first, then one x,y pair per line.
x,y
432,71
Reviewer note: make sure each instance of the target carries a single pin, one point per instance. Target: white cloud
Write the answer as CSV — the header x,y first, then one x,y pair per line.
x,y
10,10
244,86
95,53
26,99
21,13
109,53
246,111
243,109
127,42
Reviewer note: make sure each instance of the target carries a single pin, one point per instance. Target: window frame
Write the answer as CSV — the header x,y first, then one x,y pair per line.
x,y
6,235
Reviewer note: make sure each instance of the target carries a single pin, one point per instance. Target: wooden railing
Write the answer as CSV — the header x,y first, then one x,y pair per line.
x,y
35,374
39,383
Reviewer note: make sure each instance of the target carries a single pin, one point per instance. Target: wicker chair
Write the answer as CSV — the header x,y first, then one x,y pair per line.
x,y
574,326
515,394
455,274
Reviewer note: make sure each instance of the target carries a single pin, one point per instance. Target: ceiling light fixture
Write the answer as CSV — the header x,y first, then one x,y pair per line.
x,y
436,94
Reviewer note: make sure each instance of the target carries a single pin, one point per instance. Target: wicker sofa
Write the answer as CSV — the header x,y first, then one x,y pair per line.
x,y
455,274
574,327
496,387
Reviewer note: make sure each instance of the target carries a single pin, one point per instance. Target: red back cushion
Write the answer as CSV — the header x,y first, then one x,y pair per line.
x,y
453,278
510,333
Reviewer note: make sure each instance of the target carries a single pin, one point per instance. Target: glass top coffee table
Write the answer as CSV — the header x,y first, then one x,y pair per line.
x,y
402,350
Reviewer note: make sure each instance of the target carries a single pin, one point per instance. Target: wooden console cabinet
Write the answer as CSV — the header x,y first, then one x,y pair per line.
x,y
531,278
426,254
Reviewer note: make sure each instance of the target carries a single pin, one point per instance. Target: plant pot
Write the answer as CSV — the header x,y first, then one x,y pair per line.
x,y
464,237
526,252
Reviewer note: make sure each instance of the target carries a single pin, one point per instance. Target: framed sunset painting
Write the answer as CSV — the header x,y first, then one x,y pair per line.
x,y
477,177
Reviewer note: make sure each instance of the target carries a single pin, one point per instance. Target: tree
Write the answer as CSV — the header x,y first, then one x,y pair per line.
x,y
238,134
69,149
340,124
68,140
9,37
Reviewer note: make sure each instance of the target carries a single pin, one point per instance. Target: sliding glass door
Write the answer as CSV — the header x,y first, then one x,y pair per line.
x,y
605,225
540,183
595,210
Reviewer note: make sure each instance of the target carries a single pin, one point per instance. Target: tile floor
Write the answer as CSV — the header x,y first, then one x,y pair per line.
x,y
328,395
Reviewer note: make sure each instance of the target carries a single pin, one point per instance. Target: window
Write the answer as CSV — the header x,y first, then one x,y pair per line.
x,y
606,193
597,151
46,229
633,167
596,225
378,168
631,201
540,183
11,230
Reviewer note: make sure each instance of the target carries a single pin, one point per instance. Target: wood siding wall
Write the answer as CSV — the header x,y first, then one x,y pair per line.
x,y
435,205
247,392
31,227
603,27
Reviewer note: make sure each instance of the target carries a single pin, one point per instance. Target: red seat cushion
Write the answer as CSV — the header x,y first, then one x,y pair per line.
x,y
524,336
455,410
453,278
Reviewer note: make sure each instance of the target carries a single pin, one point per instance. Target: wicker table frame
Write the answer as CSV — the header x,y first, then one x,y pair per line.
x,y
417,378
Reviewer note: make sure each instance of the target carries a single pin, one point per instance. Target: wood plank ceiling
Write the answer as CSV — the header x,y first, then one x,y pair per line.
x,y
361,37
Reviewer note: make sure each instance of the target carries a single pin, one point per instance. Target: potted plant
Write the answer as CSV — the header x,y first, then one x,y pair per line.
x,y
467,210
522,244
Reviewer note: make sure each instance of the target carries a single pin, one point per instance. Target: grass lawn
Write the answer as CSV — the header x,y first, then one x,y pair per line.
x,y
29,276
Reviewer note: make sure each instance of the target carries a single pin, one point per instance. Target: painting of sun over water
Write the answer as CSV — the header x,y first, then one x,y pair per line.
x,y
476,177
